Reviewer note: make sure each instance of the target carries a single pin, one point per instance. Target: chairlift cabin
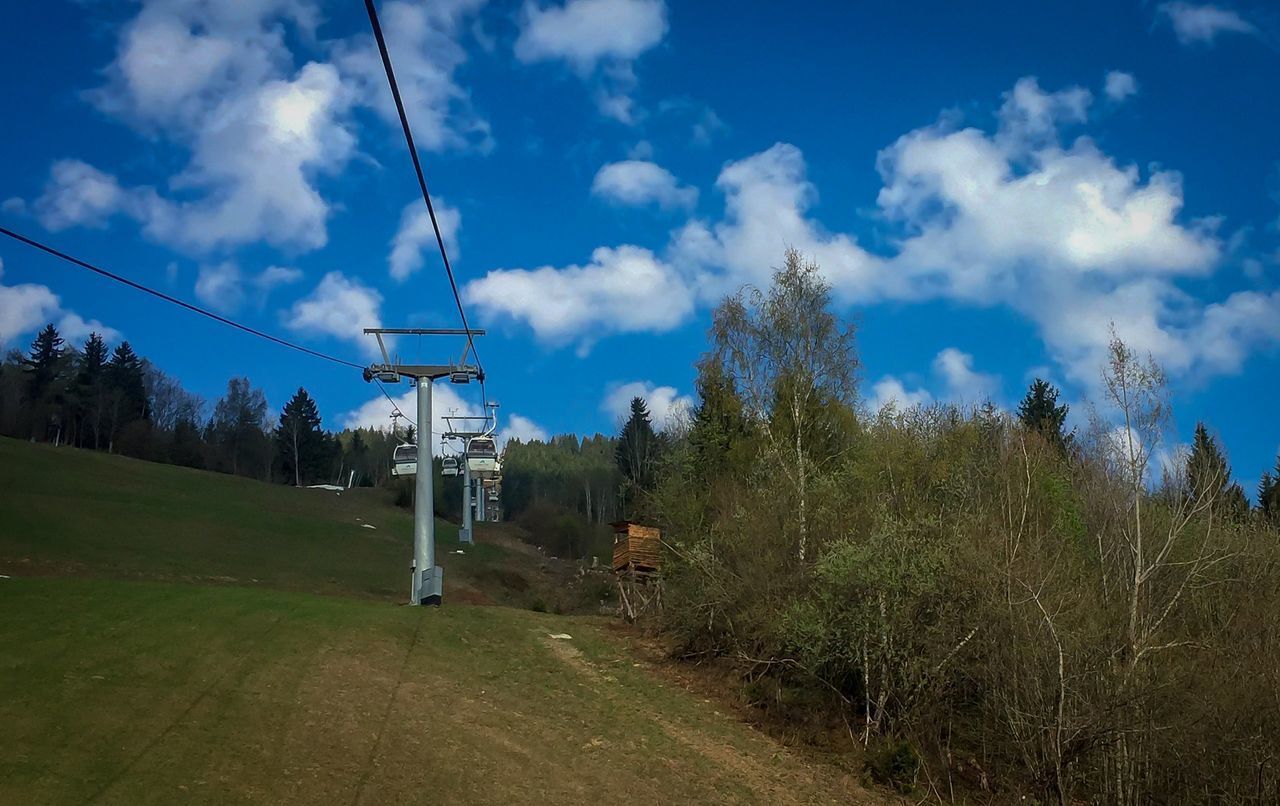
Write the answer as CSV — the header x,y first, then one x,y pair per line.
x,y
404,460
449,466
482,457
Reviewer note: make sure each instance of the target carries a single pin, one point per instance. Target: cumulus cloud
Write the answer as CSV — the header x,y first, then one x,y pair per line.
x,y
416,233
638,182
622,290
666,405
1019,216
338,307
220,81
223,286
445,402
599,39
521,428
220,286
963,384
423,37
890,391
1120,85
587,32
27,307
1201,23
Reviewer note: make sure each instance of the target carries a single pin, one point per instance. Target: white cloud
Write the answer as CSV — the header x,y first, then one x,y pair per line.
x,y
666,405
889,391
75,329
220,80
422,38
416,233
445,401
1201,23
587,32
1120,85
622,290
521,428
275,276
638,182
27,307
963,384
220,286
599,39
1063,234
338,307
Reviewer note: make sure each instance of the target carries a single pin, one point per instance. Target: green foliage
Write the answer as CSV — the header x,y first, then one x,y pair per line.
x,y
637,456
303,450
1039,411
894,763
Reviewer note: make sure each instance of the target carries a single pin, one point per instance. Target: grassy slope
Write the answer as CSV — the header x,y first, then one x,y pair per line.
x,y
131,692
81,513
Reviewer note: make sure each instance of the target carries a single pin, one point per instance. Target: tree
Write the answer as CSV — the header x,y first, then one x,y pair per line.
x,y
1039,411
1209,476
91,386
237,426
637,449
720,428
795,365
301,444
45,392
1269,494
43,362
126,389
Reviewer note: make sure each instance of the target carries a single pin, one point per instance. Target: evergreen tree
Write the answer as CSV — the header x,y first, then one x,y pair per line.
x,y
411,436
301,444
718,434
1209,476
637,451
91,388
1269,494
1039,411
126,389
44,362
46,395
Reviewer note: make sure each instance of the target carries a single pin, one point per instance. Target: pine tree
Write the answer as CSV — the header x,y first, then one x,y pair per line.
x,y
718,435
1269,495
301,445
1209,475
126,388
637,451
91,386
1039,411
43,363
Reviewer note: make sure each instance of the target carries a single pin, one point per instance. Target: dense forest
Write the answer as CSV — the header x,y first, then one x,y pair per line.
x,y
983,599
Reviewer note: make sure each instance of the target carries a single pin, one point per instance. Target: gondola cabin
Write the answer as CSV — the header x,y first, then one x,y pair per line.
x,y
449,466
636,549
482,457
404,461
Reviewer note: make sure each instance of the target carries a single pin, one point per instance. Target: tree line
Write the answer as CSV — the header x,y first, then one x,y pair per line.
x,y
983,599
93,397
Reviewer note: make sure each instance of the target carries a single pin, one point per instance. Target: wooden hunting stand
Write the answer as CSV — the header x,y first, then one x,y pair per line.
x,y
637,561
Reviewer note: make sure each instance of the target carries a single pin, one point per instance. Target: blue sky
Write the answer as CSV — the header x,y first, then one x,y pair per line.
x,y
987,187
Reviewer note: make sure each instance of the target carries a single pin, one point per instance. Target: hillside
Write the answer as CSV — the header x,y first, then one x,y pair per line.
x,y
81,513
126,683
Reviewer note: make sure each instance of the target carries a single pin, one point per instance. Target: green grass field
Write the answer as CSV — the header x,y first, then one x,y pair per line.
x,y
231,681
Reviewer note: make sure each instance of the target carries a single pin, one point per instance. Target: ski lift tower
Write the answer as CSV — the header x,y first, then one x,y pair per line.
x,y
470,498
427,583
